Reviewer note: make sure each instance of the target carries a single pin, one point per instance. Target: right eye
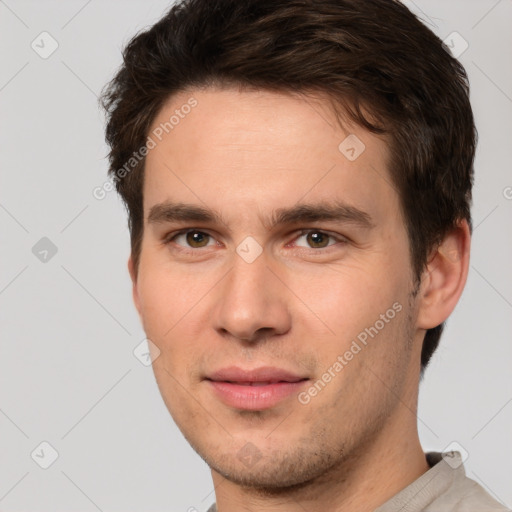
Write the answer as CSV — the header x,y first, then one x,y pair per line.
x,y
191,238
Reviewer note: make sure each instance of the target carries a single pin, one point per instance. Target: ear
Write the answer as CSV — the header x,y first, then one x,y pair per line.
x,y
133,276
444,278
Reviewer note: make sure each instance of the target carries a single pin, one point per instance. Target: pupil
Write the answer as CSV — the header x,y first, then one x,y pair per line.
x,y
195,237
317,238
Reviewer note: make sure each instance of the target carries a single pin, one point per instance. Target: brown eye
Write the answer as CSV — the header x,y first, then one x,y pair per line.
x,y
317,239
192,239
197,239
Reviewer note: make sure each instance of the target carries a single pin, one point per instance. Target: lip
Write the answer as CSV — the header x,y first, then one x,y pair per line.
x,y
254,389
261,374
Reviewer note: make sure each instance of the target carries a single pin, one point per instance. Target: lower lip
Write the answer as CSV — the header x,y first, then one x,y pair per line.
x,y
254,398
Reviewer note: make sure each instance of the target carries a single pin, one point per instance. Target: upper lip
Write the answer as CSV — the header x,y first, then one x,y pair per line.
x,y
261,374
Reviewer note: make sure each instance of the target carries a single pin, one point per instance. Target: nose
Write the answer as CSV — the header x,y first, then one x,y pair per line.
x,y
252,302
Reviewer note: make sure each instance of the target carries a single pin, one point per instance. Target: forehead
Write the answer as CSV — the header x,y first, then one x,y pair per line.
x,y
258,149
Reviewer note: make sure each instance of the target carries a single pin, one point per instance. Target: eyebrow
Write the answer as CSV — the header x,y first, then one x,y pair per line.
x,y
336,211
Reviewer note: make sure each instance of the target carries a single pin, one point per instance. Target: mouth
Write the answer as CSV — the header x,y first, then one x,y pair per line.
x,y
257,383
255,389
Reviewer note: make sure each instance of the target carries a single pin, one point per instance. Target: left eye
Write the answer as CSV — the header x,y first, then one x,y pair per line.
x,y
318,239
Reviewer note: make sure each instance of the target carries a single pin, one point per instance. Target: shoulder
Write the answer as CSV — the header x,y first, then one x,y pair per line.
x,y
465,495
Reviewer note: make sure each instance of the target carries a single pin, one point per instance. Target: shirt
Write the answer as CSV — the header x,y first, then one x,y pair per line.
x,y
443,488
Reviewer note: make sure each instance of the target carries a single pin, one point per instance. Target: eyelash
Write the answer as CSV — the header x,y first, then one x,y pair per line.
x,y
338,238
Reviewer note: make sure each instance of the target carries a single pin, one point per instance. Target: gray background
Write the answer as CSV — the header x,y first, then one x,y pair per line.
x,y
68,373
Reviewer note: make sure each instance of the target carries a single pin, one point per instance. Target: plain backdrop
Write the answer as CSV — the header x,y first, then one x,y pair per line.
x,y
69,377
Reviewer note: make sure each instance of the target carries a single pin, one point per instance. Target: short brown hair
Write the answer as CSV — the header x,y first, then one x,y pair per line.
x,y
373,58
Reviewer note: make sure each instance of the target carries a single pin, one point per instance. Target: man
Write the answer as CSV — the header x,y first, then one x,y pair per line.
x,y
298,181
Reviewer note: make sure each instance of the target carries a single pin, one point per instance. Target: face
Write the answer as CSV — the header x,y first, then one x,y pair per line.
x,y
275,281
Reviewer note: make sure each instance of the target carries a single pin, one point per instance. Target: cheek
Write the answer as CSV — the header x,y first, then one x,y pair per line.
x,y
156,301
360,315
172,306
347,298
165,296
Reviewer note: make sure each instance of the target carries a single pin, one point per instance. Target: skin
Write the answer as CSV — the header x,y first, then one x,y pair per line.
x,y
298,306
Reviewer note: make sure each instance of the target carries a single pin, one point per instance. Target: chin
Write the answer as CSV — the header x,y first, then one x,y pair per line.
x,y
274,472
